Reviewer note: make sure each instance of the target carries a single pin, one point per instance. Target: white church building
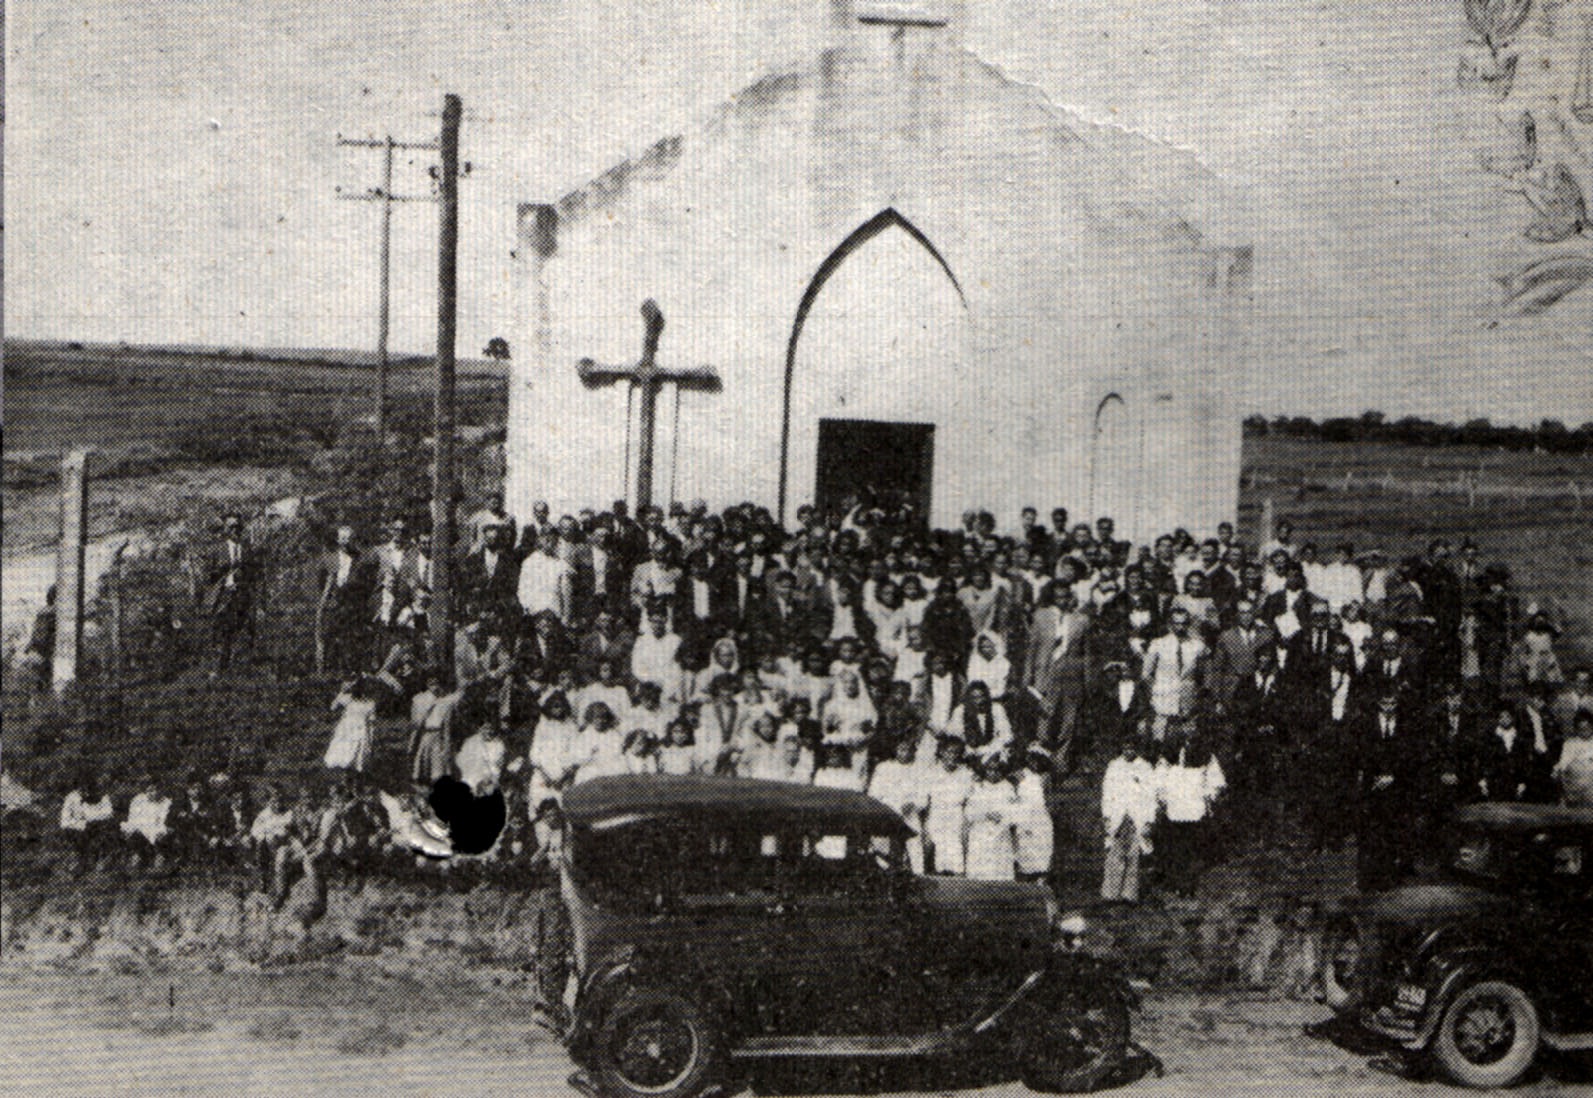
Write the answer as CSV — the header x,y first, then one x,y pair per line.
x,y
908,273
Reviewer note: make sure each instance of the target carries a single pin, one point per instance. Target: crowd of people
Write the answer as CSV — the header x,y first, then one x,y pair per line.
x,y
968,678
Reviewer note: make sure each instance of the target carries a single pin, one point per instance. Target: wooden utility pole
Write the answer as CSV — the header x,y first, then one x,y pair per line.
x,y
69,579
384,194
442,475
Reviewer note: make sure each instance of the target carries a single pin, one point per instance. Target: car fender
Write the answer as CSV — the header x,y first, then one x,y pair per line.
x,y
1064,974
1445,973
630,967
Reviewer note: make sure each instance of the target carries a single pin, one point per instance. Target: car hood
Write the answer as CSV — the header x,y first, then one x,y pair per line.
x,y
1011,909
1418,905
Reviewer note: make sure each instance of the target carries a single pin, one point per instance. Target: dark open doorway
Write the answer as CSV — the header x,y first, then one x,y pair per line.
x,y
874,461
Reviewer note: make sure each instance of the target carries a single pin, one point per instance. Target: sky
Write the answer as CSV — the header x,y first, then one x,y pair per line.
x,y
172,169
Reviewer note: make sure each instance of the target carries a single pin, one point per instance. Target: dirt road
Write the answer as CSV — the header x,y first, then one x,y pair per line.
x,y
359,1029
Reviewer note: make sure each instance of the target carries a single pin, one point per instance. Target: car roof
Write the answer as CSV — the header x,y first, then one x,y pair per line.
x,y
610,802
1523,817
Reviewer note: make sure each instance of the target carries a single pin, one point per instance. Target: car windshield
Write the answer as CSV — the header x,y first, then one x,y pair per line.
x,y
657,863
1529,858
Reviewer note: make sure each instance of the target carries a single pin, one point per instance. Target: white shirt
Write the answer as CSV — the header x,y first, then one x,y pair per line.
x,y
943,825
271,825
1032,824
541,577
1170,671
653,660
480,763
942,700
1129,791
1187,792
77,813
146,816
1339,684
992,845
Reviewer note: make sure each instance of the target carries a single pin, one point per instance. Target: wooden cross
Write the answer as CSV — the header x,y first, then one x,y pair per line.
x,y
646,378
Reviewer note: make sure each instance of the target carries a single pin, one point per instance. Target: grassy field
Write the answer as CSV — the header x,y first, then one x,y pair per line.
x,y
1523,512
151,400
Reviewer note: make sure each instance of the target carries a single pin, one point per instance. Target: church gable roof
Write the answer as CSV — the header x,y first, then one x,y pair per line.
x,y
1116,176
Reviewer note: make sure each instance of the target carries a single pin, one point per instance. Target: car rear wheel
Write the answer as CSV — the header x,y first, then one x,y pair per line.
x,y
1489,1035
657,1043
1077,1044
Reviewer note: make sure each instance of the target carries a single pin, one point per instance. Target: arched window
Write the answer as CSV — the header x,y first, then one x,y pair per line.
x,y
1115,458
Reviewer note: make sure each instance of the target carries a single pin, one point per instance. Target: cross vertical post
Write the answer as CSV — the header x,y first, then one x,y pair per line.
x,y
646,379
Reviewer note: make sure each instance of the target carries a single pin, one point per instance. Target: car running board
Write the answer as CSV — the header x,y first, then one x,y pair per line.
x,y
849,1046
1569,1042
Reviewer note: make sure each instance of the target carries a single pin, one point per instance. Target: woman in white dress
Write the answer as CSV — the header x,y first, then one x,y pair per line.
x,y
990,810
724,658
948,786
756,753
678,754
602,744
899,783
1034,829
350,748
554,758
849,722
989,664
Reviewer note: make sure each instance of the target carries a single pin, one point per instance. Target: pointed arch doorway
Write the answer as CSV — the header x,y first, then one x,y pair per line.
x,y
882,322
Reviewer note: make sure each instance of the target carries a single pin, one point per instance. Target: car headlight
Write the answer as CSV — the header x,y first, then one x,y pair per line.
x,y
1070,930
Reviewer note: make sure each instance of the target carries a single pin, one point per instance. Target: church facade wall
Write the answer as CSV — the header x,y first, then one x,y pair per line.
x,y
1071,284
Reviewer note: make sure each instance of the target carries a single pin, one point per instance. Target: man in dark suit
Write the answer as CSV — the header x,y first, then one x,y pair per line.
x,y
489,575
1390,665
1455,741
231,575
1294,598
1390,753
608,641
1221,583
704,607
347,582
781,619
1263,727
1544,737
1234,655
1114,710
1504,758
609,581
1309,662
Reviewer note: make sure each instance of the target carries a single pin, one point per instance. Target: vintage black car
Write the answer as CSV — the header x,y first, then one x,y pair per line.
x,y
714,919
1482,969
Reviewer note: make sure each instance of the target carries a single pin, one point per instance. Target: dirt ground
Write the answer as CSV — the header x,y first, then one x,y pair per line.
x,y
358,1028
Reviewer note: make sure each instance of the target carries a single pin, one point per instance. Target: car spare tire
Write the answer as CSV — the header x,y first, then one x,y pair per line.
x,y
657,1043
1077,1043
1489,1035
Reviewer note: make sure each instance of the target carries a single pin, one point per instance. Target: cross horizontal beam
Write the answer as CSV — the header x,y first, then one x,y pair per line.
x,y
881,20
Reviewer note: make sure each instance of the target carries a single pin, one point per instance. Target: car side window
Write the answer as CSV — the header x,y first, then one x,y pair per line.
x,y
838,863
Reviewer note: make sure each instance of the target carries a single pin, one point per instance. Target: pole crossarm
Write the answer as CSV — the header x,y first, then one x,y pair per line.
x,y
376,194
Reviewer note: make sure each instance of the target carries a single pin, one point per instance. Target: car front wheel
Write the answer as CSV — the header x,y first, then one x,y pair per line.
x,y
1489,1035
1077,1044
657,1043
